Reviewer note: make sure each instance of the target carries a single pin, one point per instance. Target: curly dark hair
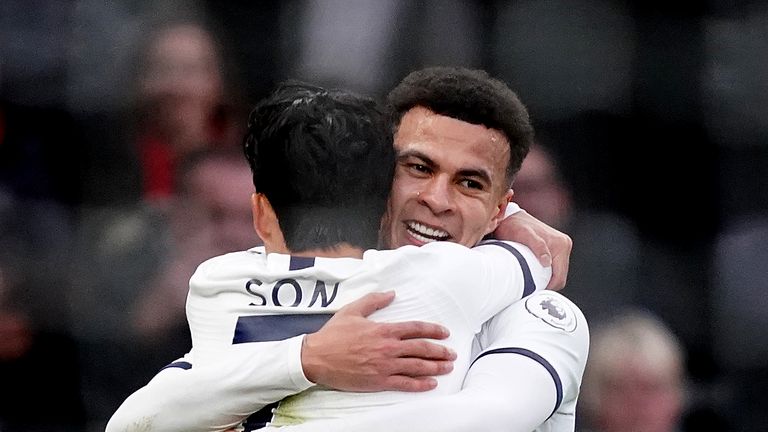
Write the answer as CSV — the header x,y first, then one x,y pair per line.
x,y
470,95
325,161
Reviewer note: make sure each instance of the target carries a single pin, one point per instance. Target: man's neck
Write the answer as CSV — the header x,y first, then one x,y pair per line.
x,y
342,250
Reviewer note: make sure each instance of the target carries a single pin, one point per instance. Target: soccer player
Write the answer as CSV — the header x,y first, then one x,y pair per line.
x,y
538,345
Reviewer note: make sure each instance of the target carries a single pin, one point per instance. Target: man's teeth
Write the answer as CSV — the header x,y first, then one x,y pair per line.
x,y
426,234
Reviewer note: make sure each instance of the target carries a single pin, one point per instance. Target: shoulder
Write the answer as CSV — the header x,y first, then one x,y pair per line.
x,y
548,328
556,310
229,261
511,255
543,307
235,265
428,256
519,251
448,250
545,319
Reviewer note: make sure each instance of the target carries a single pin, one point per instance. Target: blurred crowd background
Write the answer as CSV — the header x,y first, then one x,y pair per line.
x,y
120,171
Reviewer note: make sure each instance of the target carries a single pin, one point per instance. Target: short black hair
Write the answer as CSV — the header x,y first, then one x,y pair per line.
x,y
325,161
469,95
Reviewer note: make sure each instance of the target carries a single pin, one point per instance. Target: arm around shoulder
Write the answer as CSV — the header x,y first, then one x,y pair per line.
x,y
551,246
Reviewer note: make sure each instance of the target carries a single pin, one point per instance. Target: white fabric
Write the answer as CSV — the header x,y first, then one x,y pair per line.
x,y
511,209
440,282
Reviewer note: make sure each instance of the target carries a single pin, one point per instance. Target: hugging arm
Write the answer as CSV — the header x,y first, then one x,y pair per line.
x,y
502,393
250,376
184,397
550,245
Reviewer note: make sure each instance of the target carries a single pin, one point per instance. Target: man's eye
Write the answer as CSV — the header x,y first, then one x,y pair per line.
x,y
472,184
419,168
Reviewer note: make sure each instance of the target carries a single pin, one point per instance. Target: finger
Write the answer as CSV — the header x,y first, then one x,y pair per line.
x,y
559,273
416,330
422,349
414,367
409,384
560,264
538,246
368,304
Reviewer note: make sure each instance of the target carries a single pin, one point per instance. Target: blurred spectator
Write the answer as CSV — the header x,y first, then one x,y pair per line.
x,y
40,389
117,250
603,272
614,266
180,105
635,377
179,92
211,216
134,223
133,269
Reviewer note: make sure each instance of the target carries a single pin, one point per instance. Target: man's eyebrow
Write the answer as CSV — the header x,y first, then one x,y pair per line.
x,y
405,154
479,173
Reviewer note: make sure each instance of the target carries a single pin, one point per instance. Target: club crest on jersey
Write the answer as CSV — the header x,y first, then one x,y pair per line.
x,y
552,310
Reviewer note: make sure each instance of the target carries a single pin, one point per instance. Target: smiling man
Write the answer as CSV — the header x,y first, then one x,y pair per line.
x,y
448,180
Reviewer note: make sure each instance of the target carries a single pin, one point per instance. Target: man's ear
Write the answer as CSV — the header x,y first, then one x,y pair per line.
x,y
265,222
501,208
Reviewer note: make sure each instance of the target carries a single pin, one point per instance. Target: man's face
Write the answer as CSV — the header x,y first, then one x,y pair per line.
x,y
450,182
540,192
218,196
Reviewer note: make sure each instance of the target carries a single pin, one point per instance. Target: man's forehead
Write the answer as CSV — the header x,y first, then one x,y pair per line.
x,y
449,141
420,121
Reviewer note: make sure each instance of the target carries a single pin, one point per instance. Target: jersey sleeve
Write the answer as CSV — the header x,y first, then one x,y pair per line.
x,y
487,277
214,397
505,258
548,329
503,395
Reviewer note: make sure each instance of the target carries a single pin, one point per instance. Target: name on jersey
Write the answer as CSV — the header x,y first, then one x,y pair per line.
x,y
292,293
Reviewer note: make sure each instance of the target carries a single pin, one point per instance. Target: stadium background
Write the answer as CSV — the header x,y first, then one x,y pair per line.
x,y
655,111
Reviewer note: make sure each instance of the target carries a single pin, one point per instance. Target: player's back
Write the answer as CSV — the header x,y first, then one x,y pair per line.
x,y
254,297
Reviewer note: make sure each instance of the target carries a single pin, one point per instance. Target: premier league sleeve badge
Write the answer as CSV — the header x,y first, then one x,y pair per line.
x,y
552,309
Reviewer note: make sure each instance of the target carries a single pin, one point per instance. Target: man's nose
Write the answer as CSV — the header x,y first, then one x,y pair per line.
x,y
438,195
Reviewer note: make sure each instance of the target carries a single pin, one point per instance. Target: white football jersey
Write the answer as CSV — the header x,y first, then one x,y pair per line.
x,y
252,296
